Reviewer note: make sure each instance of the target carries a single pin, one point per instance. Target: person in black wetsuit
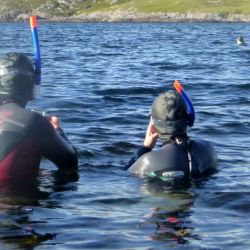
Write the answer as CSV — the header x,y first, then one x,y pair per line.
x,y
180,157
27,136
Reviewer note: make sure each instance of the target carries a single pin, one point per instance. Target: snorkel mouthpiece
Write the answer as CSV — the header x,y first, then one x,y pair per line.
x,y
191,112
37,55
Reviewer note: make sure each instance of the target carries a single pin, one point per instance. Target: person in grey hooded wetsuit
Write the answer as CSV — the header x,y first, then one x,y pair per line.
x,y
180,157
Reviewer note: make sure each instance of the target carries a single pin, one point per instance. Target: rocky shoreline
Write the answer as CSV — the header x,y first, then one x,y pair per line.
x,y
130,16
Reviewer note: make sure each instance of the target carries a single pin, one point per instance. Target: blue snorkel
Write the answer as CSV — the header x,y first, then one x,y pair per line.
x,y
37,55
191,112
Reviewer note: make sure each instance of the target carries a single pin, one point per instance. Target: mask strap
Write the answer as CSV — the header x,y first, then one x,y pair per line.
x,y
37,55
191,112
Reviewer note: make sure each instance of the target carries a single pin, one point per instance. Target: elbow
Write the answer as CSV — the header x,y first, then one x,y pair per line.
x,y
69,162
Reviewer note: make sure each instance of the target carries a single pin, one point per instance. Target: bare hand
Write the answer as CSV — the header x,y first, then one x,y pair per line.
x,y
151,136
55,122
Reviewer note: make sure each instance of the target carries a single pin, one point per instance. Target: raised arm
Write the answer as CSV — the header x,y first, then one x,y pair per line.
x,y
55,145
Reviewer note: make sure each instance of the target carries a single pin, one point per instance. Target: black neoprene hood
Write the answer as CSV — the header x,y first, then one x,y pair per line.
x,y
16,76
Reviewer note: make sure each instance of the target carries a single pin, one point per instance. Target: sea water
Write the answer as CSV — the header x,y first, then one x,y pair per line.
x,y
100,80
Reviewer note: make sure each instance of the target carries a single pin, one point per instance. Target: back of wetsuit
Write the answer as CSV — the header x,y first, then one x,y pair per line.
x,y
203,157
172,157
19,153
25,137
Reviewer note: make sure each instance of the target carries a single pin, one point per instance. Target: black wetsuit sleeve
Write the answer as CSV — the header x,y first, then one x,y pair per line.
x,y
63,135
141,151
55,146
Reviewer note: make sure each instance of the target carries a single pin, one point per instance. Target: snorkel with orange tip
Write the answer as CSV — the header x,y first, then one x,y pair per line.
x,y
191,112
37,55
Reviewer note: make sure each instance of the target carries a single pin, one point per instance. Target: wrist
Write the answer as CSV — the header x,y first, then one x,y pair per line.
x,y
148,145
143,150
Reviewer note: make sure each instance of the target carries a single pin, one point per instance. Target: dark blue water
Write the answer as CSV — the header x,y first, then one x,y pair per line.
x,y
100,79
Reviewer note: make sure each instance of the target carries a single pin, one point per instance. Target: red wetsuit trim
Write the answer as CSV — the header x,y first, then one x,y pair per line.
x,y
22,163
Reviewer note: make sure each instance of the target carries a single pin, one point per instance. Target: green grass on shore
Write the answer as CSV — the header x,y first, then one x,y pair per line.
x,y
21,4
205,6
180,6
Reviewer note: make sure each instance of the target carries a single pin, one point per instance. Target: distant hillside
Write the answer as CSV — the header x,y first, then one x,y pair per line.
x,y
127,10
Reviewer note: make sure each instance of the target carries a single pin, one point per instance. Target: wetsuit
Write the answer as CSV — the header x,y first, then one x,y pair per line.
x,y
193,159
26,137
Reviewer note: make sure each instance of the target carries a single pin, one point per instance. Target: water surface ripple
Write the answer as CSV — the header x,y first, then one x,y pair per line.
x,y
100,79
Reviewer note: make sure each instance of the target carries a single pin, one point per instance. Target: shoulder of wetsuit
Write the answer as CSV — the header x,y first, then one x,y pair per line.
x,y
15,125
168,158
15,119
41,127
204,157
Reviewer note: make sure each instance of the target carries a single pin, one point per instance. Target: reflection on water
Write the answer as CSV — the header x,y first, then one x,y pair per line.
x,y
171,212
20,219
